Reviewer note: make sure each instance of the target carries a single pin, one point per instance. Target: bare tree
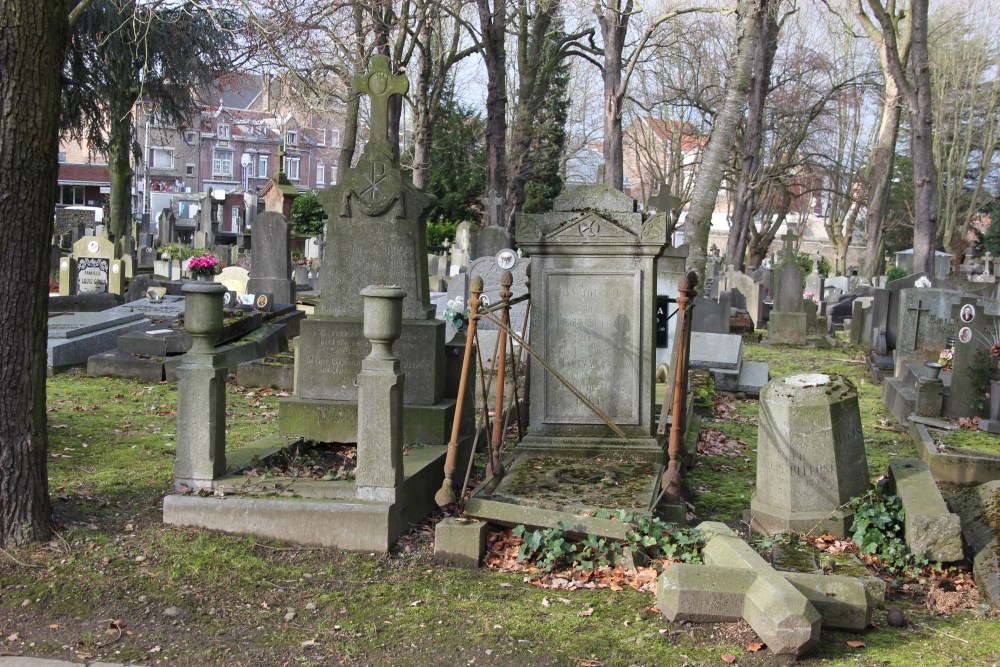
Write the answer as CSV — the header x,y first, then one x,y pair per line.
x,y
882,23
720,143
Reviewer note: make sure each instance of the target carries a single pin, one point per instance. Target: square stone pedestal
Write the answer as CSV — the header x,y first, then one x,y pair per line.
x,y
460,541
786,328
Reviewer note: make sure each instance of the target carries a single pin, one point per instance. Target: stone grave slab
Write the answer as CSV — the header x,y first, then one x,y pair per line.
x,y
931,531
74,337
979,509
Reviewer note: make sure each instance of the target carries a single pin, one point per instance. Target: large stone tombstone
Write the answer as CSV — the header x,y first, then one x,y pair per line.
x,y
270,258
892,307
464,234
93,268
975,332
314,248
375,235
593,316
167,227
787,323
925,323
810,455
494,237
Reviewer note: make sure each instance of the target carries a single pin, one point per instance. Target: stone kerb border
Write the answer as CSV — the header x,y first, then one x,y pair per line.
x,y
963,470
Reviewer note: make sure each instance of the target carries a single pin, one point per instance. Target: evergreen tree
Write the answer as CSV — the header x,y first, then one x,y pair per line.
x,y
124,52
457,174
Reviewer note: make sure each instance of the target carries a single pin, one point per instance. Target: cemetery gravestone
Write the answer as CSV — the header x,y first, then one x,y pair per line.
x,y
811,455
787,321
270,258
235,278
375,234
594,294
93,268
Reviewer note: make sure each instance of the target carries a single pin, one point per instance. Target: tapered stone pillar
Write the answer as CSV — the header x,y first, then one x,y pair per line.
x,y
201,392
380,398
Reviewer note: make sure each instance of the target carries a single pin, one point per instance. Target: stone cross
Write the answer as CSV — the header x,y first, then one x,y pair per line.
x,y
494,209
280,176
916,325
380,84
788,250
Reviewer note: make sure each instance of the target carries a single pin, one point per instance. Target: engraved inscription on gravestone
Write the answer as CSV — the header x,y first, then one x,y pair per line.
x,y
600,360
92,275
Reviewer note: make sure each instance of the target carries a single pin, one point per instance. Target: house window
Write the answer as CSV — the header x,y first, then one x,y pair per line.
x,y
189,138
189,169
236,219
291,137
71,195
223,132
62,156
161,158
335,137
292,168
222,163
320,174
249,167
262,166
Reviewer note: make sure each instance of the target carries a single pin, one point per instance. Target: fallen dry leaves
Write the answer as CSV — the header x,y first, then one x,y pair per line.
x,y
501,555
717,443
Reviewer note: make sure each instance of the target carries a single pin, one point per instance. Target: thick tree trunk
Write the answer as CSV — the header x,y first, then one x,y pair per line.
x,y
924,175
493,25
32,46
614,27
880,180
698,222
120,175
749,179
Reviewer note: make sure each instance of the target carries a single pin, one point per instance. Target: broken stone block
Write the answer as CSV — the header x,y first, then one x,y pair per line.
x,y
710,594
931,531
703,594
782,617
460,541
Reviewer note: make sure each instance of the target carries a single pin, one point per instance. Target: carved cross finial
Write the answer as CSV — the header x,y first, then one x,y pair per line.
x,y
788,251
280,176
379,83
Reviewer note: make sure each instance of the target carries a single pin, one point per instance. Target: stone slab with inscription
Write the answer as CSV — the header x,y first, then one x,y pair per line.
x,y
74,337
270,259
810,455
593,284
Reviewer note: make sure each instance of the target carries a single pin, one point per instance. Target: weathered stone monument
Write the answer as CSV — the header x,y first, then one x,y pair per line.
x,y
270,258
810,456
494,237
375,235
787,322
594,300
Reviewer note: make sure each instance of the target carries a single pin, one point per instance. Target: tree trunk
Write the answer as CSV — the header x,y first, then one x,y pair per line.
x,y
493,25
422,130
925,214
33,37
698,222
614,26
749,179
880,180
120,176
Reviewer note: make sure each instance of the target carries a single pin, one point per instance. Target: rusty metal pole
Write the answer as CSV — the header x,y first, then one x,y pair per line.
x,y
446,494
495,467
671,481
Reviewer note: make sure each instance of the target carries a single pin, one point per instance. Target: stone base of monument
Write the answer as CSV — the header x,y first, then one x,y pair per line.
x,y
310,511
331,348
966,468
460,541
336,421
786,328
900,393
647,448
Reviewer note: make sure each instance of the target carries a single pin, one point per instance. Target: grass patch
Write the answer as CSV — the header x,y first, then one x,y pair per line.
x,y
229,597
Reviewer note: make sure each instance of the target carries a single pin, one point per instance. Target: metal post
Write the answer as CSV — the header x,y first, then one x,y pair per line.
x,y
495,467
446,494
671,481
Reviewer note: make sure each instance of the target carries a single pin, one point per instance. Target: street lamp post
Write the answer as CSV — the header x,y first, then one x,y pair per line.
x,y
245,161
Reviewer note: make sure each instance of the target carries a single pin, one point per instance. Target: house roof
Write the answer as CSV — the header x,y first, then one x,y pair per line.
x,y
92,174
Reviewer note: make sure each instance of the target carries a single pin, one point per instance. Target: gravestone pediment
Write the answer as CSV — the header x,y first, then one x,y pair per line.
x,y
589,228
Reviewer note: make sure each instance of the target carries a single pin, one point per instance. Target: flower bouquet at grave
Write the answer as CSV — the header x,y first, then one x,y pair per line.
x,y
204,265
946,357
456,315
810,295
